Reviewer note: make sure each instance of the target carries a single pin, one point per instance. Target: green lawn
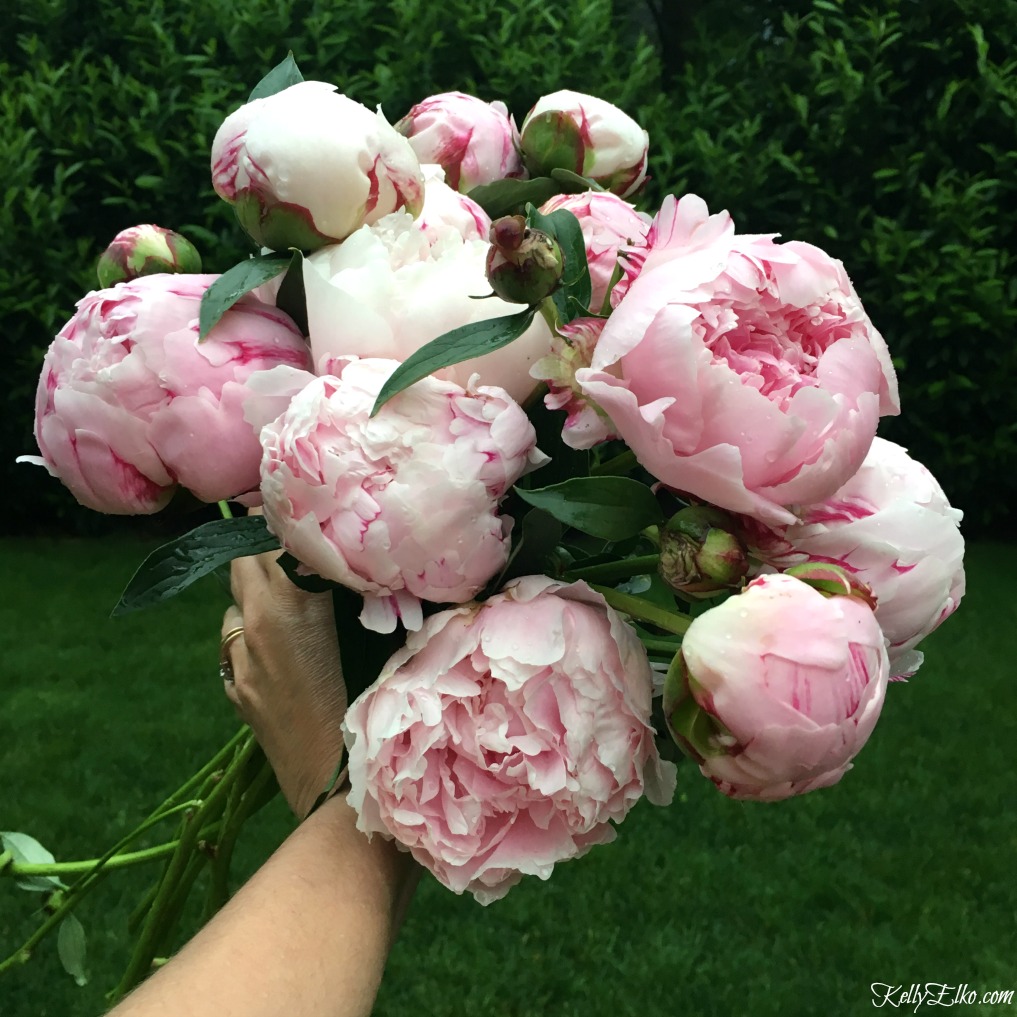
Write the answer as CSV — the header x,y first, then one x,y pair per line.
x,y
903,873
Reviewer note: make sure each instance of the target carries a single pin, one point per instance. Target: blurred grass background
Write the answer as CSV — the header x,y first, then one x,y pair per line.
x,y
902,873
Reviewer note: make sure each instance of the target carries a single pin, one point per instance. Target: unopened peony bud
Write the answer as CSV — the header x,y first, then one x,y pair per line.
x,y
777,689
306,167
475,142
524,265
833,581
588,136
699,553
146,250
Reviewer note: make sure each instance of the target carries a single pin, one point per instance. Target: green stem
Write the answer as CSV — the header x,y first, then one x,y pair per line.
x,y
137,916
253,798
116,862
659,645
619,464
70,900
93,871
612,570
225,510
644,611
550,314
160,919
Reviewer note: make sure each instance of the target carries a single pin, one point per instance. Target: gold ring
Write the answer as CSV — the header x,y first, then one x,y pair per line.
x,y
225,663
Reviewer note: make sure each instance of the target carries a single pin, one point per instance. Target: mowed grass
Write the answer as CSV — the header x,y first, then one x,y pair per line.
x,y
902,873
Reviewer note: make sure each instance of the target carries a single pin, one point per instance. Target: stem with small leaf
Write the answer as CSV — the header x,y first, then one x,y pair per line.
x,y
180,872
644,611
615,570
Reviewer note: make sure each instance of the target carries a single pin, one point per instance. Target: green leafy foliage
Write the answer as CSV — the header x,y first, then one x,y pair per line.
x,y
170,569
612,508
281,77
71,948
26,849
236,283
463,343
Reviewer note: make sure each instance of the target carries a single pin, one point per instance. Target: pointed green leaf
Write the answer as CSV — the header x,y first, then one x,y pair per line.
x,y
540,533
281,76
29,851
71,948
290,299
363,653
235,283
573,297
174,566
508,197
611,508
463,343
573,183
309,583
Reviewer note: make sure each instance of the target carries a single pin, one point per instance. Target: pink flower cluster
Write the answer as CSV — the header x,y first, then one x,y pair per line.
x,y
514,729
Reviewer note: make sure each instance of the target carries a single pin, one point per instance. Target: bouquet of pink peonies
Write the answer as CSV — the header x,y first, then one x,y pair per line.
x,y
587,484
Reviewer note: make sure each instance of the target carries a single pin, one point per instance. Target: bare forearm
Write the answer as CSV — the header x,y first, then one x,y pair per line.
x,y
307,936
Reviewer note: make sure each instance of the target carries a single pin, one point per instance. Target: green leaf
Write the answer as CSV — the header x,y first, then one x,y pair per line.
x,y
71,948
611,508
573,183
233,284
363,653
290,298
509,197
309,583
279,78
463,343
29,851
573,297
174,566
539,537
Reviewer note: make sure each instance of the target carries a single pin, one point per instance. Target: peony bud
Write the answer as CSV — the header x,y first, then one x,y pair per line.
x,y
588,136
306,167
776,690
833,581
146,250
475,142
699,553
524,265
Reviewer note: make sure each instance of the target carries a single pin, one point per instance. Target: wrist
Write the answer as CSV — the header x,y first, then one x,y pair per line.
x,y
338,784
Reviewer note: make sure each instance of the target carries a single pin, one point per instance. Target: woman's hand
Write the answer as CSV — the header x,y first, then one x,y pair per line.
x,y
288,682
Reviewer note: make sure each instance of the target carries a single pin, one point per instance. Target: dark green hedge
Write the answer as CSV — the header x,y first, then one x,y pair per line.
x,y
887,138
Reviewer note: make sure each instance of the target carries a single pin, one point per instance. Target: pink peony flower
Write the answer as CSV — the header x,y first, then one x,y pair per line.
x,y
588,136
401,507
130,404
475,142
391,288
892,526
507,736
743,372
445,208
307,166
680,229
608,224
778,688
586,424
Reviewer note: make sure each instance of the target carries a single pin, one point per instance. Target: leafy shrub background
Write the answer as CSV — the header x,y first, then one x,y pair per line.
x,y
886,136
